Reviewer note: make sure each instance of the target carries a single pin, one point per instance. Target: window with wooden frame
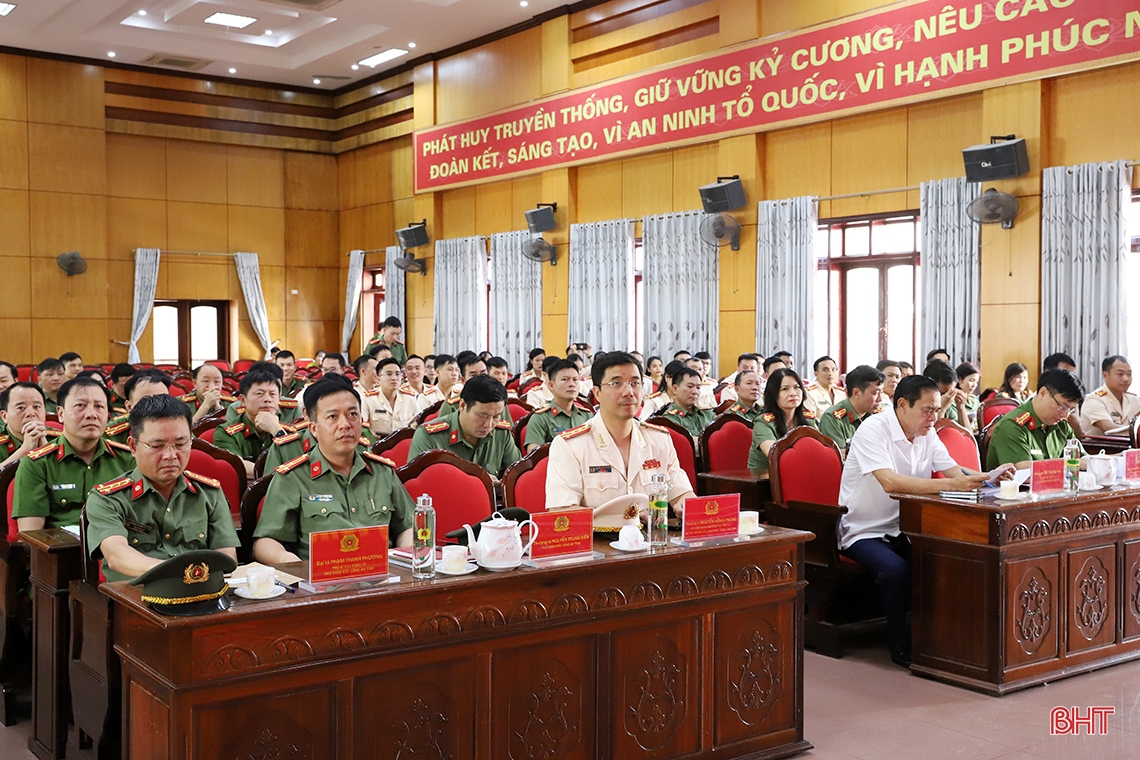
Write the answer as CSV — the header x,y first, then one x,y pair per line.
x,y
372,302
868,278
189,333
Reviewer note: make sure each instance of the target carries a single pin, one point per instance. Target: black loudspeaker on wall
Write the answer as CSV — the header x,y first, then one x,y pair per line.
x,y
541,219
726,194
412,236
1003,158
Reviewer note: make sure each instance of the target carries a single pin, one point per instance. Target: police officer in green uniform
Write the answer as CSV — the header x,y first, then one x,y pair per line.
x,y
564,413
208,396
333,486
159,509
1038,429
147,382
291,384
470,365
388,335
748,403
783,410
254,430
22,411
288,409
864,389
52,375
476,432
683,408
120,374
953,399
52,482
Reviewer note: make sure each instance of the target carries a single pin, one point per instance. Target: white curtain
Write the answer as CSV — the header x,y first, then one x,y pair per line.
x,y
1084,245
352,290
785,278
249,275
394,284
516,299
146,280
951,273
460,294
601,285
682,289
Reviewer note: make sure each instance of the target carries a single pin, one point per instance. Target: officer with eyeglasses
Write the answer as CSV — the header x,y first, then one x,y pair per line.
x,y
614,454
476,432
159,509
1039,428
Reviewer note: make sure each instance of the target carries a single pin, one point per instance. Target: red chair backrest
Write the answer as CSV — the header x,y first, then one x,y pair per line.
x,y
243,365
728,447
961,444
223,472
458,497
524,482
430,416
208,435
9,497
685,457
991,410
25,373
395,446
517,410
809,470
224,366
53,424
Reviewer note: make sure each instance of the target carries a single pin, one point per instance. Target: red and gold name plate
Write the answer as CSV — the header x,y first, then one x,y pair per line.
x,y
1048,476
711,517
356,554
1132,464
562,533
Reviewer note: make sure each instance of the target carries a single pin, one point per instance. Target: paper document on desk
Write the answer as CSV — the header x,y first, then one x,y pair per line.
x,y
1021,476
72,529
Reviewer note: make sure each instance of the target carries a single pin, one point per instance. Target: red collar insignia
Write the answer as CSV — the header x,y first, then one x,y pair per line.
x,y
454,437
136,489
189,485
315,469
306,445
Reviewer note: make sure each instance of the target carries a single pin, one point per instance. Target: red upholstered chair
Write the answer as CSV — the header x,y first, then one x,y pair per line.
x,y
683,443
208,423
15,662
960,443
54,424
8,488
513,384
524,482
519,430
461,491
221,364
243,365
726,443
395,446
429,414
518,409
530,385
805,468
252,502
25,373
223,466
993,409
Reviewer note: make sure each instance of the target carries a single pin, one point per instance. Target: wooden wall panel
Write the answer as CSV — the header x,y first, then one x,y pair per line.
x,y
66,159
195,172
255,176
136,167
526,192
14,221
936,134
600,192
311,239
16,341
489,77
402,156
260,231
1019,109
493,207
120,291
458,213
62,222
14,156
17,301
311,181
647,185
55,295
134,223
51,337
319,296
860,163
778,16
195,277
693,167
1083,128
70,94
13,87
197,227
798,162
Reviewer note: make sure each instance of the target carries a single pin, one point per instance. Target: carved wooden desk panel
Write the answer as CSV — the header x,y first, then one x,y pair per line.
x,y
1007,595
693,652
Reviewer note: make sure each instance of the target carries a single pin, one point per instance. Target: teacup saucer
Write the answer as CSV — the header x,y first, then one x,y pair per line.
x,y
622,548
243,592
500,568
756,532
470,567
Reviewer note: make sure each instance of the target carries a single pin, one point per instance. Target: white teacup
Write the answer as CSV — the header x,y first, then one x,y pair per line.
x,y
1008,489
749,521
629,537
1103,467
260,580
1086,481
454,558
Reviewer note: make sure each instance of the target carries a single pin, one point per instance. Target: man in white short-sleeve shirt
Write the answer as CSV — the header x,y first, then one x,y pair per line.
x,y
896,452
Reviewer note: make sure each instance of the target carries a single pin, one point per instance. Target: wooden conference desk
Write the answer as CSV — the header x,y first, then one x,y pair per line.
x,y
1007,595
752,485
692,652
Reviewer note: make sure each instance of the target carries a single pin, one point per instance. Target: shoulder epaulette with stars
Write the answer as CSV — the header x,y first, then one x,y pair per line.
x,y
543,409
284,439
288,403
373,392
113,486
202,479
297,425
768,417
566,435
810,415
235,428
436,426
292,464
655,395
119,446
675,412
502,424
658,428
187,397
839,413
1023,418
1102,392
43,452
584,406
228,399
811,387
118,427
408,390
378,458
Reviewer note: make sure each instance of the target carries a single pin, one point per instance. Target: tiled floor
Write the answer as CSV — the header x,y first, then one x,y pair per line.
x,y
864,707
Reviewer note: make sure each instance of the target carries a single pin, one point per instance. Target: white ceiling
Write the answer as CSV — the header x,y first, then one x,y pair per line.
x,y
310,38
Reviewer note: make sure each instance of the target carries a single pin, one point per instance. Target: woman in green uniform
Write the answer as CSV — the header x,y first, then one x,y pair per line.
x,y
968,382
783,410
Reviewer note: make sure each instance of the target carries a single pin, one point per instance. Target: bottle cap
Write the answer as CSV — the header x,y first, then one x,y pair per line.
x,y
423,501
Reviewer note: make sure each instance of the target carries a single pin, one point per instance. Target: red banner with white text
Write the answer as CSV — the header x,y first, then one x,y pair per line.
x,y
912,51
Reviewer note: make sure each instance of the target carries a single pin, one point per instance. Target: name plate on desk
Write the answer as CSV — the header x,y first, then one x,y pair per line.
x,y
1132,465
563,533
711,517
1048,476
355,554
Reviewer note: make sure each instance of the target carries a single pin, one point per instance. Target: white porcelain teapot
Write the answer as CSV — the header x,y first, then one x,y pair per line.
x,y
500,541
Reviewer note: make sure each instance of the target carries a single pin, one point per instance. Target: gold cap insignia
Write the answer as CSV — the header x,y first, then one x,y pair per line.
x,y
196,572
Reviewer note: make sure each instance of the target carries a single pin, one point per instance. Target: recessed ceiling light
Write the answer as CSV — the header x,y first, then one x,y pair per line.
x,y
6,8
411,44
111,54
524,3
355,67
268,32
373,61
230,20
142,13
233,70
316,81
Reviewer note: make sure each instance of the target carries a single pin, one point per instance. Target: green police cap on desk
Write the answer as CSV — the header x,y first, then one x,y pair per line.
x,y
190,584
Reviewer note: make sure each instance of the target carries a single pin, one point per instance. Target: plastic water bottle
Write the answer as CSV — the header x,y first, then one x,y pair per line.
x,y
1072,464
423,539
658,512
